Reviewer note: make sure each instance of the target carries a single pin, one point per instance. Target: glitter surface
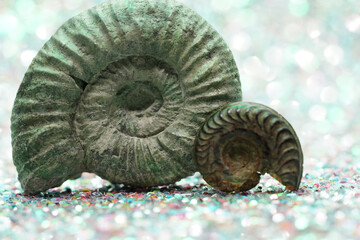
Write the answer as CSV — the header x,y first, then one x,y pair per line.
x,y
299,57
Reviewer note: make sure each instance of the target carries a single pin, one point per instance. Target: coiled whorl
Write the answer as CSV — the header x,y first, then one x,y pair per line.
x,y
243,140
120,90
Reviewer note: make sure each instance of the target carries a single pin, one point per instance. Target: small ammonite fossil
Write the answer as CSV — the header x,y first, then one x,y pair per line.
x,y
243,140
121,91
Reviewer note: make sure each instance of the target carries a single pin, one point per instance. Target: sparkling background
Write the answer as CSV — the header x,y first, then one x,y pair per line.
x,y
300,57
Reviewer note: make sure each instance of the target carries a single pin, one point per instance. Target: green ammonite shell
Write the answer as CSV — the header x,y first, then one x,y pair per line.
x,y
121,91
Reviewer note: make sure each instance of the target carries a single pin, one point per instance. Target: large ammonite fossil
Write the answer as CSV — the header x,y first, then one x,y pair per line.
x,y
244,140
121,90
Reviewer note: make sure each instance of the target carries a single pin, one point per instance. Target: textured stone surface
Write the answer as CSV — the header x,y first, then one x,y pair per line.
x,y
121,90
244,140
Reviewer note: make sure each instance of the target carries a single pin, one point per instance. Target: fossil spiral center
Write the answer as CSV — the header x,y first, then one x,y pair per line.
x,y
238,155
242,158
132,100
139,97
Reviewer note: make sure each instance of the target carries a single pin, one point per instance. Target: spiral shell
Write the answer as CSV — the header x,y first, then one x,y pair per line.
x,y
244,140
120,90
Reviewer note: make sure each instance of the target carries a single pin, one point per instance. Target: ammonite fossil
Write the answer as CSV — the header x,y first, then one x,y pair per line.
x,y
121,91
243,140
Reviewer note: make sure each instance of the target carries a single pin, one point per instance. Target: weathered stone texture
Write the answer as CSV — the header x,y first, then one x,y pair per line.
x,y
121,91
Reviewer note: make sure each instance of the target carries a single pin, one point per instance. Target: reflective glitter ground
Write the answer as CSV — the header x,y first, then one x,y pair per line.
x,y
325,207
300,57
